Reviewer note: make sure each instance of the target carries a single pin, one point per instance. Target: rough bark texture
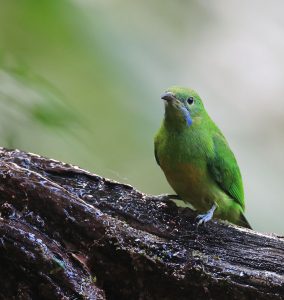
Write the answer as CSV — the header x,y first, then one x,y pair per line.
x,y
68,234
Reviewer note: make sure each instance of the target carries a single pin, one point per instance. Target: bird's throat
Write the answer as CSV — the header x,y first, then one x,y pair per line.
x,y
177,118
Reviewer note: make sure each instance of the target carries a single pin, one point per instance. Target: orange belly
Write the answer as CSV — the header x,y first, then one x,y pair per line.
x,y
191,183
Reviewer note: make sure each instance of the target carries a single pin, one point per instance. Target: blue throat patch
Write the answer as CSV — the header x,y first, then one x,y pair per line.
x,y
186,115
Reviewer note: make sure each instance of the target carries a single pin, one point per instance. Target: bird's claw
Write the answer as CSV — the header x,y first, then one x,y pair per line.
x,y
164,197
204,218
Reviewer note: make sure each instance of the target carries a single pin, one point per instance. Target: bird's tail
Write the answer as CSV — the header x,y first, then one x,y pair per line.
x,y
244,222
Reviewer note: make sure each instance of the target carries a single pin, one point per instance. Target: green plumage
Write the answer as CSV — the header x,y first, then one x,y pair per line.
x,y
197,160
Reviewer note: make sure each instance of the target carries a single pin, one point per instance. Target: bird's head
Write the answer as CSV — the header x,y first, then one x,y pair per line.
x,y
182,106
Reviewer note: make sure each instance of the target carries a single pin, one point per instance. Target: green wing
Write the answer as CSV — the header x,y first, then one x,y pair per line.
x,y
225,170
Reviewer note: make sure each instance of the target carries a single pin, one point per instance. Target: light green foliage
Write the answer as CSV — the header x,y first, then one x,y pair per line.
x,y
27,101
84,90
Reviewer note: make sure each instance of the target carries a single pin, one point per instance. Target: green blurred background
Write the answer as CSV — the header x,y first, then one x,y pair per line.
x,y
80,81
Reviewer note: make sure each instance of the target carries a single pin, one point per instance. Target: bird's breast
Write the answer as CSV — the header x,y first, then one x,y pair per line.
x,y
190,181
183,158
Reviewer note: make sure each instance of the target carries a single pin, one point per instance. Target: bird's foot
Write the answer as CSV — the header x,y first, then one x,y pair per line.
x,y
164,197
174,197
204,218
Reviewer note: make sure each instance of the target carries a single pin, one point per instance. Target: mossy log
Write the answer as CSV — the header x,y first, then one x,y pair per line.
x,y
68,234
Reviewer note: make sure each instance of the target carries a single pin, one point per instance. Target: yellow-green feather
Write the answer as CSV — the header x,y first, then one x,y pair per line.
x,y
225,170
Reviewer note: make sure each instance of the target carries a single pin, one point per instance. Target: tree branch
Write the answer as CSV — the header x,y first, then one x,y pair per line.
x,y
68,234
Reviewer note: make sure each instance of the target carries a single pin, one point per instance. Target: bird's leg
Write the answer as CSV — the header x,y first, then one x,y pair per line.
x,y
202,219
165,197
174,197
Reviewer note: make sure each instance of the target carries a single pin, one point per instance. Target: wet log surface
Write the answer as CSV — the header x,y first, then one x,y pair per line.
x,y
68,234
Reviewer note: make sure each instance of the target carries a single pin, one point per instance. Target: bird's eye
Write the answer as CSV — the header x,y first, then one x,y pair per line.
x,y
190,100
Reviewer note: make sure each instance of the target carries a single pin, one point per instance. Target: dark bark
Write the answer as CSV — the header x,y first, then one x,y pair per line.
x,y
68,234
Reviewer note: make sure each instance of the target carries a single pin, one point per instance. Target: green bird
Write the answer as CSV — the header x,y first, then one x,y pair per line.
x,y
197,160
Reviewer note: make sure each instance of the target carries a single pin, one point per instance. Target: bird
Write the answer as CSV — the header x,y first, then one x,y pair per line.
x,y
197,160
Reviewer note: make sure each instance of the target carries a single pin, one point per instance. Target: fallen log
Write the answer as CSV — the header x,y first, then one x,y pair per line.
x,y
68,234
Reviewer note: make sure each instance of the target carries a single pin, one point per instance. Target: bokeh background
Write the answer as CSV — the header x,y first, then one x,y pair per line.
x,y
80,81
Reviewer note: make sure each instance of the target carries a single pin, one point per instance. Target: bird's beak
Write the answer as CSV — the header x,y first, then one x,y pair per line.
x,y
168,96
